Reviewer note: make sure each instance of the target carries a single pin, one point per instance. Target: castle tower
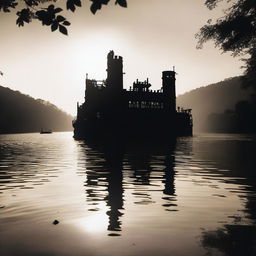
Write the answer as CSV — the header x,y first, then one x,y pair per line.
x,y
114,72
169,91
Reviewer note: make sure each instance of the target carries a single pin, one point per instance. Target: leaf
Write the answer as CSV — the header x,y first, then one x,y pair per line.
x,y
25,13
46,16
95,7
6,4
40,14
78,3
63,30
47,21
66,23
122,3
104,1
23,16
71,5
60,18
54,26
6,9
57,10
20,22
50,8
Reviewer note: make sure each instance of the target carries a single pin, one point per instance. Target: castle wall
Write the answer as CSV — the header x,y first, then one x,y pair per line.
x,y
109,107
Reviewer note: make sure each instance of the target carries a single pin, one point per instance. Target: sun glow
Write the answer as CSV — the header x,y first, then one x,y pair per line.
x,y
96,222
91,53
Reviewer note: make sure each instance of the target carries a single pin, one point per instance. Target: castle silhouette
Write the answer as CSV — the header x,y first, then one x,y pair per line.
x,y
110,110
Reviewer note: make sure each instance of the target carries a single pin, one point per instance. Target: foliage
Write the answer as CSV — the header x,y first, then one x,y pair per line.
x,y
50,16
214,98
235,32
22,113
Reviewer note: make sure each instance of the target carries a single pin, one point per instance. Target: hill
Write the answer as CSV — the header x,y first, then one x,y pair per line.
x,y
21,113
214,98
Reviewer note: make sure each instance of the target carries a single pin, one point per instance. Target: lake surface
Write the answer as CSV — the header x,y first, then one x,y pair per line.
x,y
195,196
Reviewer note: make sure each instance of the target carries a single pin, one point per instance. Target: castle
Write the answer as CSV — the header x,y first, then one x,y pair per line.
x,y
111,110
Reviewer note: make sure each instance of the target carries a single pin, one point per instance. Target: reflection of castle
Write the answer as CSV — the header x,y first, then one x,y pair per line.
x,y
110,109
112,169
104,183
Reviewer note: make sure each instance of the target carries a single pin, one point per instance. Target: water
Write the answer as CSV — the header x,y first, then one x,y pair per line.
x,y
197,197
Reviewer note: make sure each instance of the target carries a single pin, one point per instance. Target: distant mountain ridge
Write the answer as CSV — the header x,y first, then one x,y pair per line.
x,y
21,113
214,98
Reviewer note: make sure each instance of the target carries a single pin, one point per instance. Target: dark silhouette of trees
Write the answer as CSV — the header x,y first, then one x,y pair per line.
x,y
223,107
235,32
29,10
239,120
21,113
212,100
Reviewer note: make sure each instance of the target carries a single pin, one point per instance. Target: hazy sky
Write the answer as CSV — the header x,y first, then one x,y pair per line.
x,y
151,35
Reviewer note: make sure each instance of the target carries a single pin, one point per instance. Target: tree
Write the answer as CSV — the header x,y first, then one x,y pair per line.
x,y
51,15
235,32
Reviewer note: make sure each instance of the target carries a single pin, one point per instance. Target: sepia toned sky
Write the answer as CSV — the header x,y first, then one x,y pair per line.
x,y
151,35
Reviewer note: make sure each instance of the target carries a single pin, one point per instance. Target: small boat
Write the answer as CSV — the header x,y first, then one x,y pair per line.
x,y
45,131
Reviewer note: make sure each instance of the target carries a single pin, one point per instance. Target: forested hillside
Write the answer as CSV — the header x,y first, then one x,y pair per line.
x,y
22,113
215,98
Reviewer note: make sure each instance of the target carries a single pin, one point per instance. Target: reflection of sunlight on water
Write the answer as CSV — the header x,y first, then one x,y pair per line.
x,y
96,222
